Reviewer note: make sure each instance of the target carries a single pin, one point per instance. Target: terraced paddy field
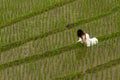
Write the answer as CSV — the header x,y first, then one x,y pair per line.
x,y
38,40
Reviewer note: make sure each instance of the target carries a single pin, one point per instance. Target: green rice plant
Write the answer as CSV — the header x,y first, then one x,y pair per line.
x,y
25,9
41,44
94,70
18,43
38,47
48,53
22,31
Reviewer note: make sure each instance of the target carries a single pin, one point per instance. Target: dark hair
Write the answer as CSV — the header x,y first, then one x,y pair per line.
x,y
80,33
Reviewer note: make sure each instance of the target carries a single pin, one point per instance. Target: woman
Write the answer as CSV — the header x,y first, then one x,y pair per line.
x,y
84,38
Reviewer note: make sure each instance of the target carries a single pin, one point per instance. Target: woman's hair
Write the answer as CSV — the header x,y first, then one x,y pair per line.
x,y
80,33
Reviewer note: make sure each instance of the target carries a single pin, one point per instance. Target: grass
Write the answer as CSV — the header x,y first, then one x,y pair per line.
x,y
54,52
23,29
52,63
55,41
104,66
38,40
95,69
29,14
19,43
93,18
